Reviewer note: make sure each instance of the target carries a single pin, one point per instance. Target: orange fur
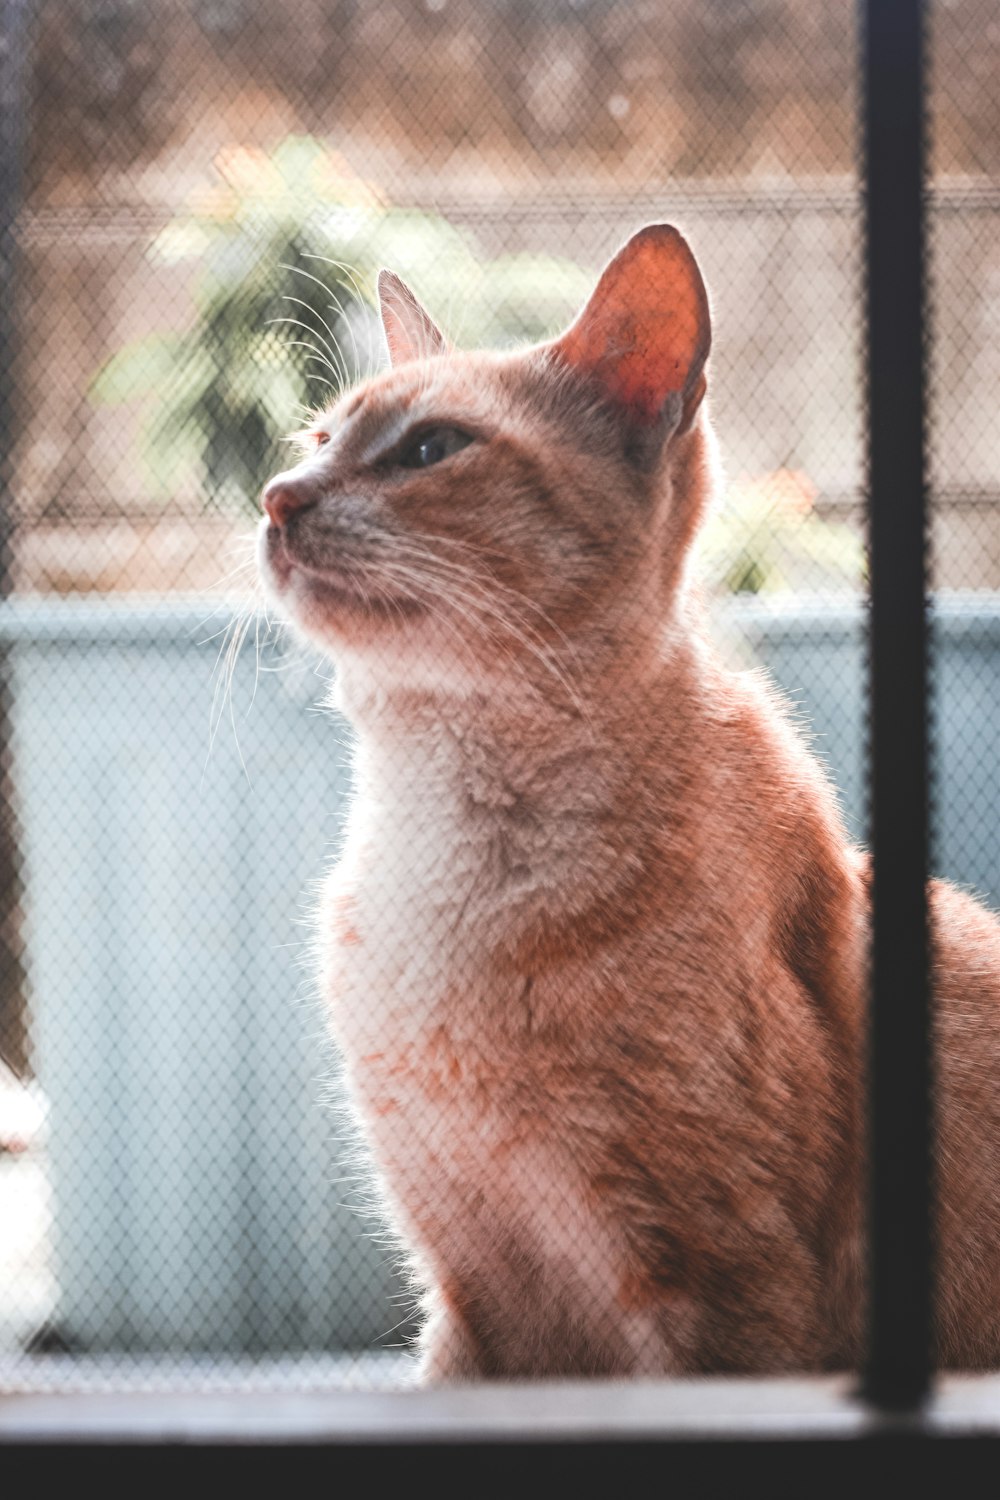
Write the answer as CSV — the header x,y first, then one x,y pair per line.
x,y
596,948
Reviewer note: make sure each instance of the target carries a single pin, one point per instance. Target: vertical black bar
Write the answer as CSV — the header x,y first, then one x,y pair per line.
x,y
14,18
13,70
900,1286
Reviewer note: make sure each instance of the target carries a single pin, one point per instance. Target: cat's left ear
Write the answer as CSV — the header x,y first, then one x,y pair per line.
x,y
410,331
644,336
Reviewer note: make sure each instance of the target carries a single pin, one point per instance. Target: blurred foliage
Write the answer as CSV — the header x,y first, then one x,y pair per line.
x,y
285,252
766,537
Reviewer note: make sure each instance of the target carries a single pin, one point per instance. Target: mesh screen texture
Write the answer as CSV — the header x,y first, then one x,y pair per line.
x,y
209,188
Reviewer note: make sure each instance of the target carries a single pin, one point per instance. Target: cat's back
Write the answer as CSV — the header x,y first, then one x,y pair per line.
x,y
746,798
966,969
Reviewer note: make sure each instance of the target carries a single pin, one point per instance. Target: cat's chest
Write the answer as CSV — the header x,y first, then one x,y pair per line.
x,y
401,923
441,1075
438,871
434,1028
470,1106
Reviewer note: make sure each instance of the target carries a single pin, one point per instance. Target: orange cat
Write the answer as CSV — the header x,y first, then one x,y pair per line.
x,y
595,951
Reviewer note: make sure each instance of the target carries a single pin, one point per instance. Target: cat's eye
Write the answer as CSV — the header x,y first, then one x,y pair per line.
x,y
431,446
319,438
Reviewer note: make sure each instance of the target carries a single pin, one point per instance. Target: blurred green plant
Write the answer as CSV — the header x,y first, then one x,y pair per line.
x,y
284,253
766,537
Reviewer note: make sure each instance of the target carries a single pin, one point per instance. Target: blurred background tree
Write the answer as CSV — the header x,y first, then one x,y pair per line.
x,y
287,250
765,536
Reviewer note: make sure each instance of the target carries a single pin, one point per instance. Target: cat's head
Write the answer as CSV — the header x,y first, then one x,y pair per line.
x,y
470,517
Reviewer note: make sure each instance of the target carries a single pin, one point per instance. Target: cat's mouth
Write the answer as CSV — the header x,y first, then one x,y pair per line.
x,y
348,585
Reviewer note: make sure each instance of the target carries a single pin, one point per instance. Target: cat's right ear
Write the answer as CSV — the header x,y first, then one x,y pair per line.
x,y
643,338
410,331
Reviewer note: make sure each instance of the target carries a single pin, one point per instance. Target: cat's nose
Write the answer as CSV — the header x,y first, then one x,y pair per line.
x,y
287,493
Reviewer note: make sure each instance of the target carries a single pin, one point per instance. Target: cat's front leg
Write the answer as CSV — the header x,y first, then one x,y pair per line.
x,y
448,1352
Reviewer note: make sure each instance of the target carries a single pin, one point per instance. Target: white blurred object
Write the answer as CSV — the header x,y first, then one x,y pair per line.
x,y
27,1283
23,1110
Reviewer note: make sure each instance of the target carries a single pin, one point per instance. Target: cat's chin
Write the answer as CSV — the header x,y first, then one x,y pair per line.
x,y
383,642
377,650
325,605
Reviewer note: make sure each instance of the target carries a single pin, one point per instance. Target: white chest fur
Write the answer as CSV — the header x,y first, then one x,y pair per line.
x,y
395,913
455,843
449,1083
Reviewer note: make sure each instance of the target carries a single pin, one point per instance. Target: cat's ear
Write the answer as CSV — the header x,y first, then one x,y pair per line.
x,y
410,331
644,336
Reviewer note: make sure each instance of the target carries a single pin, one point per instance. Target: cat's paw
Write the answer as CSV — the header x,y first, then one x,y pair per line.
x,y
448,1354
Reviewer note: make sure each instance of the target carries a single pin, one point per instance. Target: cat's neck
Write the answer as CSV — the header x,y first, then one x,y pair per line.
x,y
567,699
529,746
635,646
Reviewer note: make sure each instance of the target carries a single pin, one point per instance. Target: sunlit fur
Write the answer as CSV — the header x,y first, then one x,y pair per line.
x,y
595,948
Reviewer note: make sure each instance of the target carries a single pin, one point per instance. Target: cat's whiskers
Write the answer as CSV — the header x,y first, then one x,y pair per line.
x,y
260,615
310,414
243,572
488,576
333,345
420,590
508,626
328,359
246,572
371,588
473,606
363,301
252,611
480,601
336,306
513,624
225,671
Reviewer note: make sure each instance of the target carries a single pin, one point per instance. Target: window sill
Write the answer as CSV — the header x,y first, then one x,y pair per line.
x,y
749,1429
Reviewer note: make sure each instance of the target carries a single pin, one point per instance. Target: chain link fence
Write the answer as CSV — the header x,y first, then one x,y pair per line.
x,y
207,190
